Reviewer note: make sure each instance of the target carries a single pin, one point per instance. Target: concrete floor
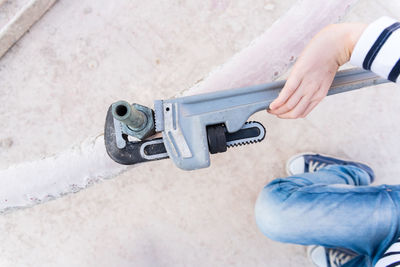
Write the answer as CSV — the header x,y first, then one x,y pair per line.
x,y
59,79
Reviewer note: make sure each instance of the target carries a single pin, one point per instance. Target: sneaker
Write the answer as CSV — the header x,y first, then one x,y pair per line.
x,y
312,162
329,257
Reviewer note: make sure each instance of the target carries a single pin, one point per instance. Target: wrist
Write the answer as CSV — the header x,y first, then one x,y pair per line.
x,y
344,36
352,33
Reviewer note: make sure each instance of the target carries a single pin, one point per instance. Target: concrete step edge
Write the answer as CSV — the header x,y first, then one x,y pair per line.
x,y
23,19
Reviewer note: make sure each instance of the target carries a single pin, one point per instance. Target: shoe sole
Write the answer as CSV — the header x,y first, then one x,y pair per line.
x,y
310,250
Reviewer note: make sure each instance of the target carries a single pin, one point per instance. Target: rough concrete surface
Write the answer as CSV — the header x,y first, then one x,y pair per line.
x,y
54,177
56,85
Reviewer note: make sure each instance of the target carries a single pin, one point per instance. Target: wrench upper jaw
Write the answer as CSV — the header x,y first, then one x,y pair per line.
x,y
185,138
198,160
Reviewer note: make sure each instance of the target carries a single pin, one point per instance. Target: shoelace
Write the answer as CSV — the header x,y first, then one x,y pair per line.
x,y
314,166
338,258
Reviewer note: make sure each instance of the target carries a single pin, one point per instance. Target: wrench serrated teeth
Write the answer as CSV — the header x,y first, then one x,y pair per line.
x,y
249,140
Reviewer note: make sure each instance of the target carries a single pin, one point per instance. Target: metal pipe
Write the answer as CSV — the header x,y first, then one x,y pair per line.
x,y
128,114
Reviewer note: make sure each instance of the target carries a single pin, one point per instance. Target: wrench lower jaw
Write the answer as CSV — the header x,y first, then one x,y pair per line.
x,y
131,153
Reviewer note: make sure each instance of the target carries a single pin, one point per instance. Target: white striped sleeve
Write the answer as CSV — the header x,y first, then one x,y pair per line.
x,y
378,49
391,257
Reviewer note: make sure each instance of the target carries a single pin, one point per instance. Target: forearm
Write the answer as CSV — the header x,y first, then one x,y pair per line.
x,y
374,47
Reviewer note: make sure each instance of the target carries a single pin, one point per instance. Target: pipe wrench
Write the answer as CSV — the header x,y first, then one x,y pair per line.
x,y
193,127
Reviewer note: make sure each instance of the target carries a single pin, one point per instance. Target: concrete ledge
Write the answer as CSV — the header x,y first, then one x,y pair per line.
x,y
25,16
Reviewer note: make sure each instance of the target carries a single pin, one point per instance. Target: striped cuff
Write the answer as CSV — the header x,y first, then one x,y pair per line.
x,y
378,49
391,256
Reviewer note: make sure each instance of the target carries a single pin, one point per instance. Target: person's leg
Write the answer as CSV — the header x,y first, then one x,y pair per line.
x,y
333,207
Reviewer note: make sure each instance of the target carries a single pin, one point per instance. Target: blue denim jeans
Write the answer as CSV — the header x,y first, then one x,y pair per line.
x,y
333,207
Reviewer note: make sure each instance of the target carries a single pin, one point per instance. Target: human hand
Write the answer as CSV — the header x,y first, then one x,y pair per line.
x,y
313,73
